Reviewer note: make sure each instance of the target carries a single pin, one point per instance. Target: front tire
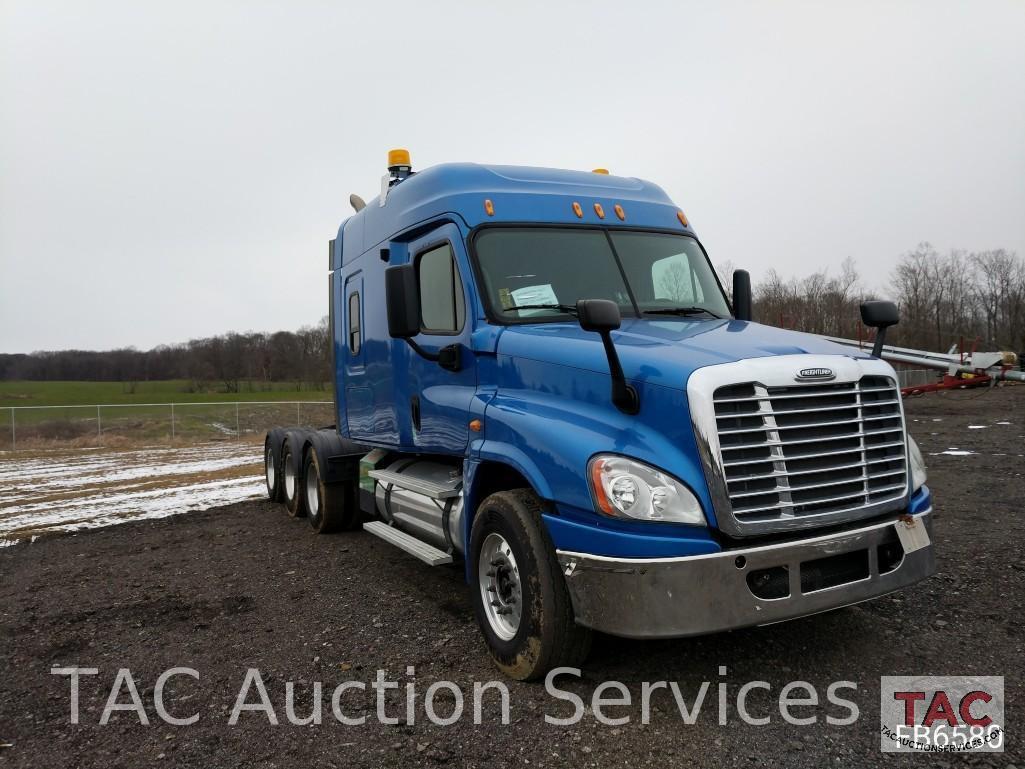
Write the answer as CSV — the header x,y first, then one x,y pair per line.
x,y
329,507
519,597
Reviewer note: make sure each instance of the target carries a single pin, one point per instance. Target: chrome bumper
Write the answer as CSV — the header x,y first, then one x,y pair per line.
x,y
675,597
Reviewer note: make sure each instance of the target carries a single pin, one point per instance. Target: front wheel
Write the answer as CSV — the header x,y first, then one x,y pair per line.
x,y
520,598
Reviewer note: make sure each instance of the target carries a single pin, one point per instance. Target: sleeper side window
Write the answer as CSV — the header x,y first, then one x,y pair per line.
x,y
355,337
442,308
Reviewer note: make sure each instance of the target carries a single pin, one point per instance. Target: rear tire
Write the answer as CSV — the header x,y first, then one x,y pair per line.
x,y
272,472
513,564
329,507
292,482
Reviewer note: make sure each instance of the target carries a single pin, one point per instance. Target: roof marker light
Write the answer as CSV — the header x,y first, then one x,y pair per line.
x,y
599,210
489,207
619,212
578,210
600,171
683,219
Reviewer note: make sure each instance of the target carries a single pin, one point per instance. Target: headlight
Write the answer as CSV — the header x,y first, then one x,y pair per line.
x,y
625,488
918,474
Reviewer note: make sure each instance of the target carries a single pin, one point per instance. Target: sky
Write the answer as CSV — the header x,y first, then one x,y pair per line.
x,y
173,170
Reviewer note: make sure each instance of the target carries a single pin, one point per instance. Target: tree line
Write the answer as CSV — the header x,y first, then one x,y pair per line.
x,y
943,298
228,363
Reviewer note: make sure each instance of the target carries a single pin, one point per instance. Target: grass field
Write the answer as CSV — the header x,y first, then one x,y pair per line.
x,y
66,414
22,393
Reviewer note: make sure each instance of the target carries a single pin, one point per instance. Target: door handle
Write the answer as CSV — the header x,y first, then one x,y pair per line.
x,y
414,411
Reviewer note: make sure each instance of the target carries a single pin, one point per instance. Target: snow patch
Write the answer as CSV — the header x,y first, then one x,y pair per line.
x,y
83,491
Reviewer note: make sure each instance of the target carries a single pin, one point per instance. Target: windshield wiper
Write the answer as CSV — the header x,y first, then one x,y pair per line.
x,y
567,308
685,311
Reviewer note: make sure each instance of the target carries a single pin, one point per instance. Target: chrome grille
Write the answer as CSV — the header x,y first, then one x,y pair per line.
x,y
797,452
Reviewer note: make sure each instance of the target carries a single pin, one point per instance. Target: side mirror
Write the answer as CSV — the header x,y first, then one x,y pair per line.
x,y
741,295
602,316
598,315
879,315
402,298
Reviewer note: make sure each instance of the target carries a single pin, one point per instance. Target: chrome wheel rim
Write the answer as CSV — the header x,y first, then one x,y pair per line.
x,y
312,491
498,576
270,470
289,477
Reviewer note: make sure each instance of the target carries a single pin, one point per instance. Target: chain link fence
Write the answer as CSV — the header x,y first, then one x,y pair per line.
x,y
29,427
915,377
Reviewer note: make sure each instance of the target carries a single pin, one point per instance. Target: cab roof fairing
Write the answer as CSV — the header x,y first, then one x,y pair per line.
x,y
518,194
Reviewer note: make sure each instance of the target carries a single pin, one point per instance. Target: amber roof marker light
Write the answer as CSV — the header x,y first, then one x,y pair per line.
x,y
619,212
489,207
578,210
683,218
599,210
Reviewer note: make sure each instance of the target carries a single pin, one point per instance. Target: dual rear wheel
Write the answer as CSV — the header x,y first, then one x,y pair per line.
x,y
298,481
329,506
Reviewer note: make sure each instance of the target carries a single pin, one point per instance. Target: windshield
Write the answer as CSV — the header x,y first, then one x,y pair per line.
x,y
538,273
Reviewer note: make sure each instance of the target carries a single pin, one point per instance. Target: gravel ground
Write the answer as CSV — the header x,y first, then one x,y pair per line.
x,y
242,586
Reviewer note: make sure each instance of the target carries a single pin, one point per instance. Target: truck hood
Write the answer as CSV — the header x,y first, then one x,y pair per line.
x,y
665,351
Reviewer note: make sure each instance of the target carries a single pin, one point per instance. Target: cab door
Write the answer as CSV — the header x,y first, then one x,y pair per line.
x,y
439,399
359,396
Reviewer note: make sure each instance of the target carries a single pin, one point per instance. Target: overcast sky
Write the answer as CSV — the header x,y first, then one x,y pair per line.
x,y
171,170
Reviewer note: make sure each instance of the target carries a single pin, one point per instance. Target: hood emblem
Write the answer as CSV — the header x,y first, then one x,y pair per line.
x,y
815,373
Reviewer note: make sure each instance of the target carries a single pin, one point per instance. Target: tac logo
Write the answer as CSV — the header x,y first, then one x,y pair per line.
x,y
942,714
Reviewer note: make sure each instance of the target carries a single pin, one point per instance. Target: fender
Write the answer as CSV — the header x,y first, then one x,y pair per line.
x,y
339,456
560,424
502,454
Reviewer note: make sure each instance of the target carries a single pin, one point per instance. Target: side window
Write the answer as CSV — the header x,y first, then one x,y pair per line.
x,y
442,309
355,337
673,278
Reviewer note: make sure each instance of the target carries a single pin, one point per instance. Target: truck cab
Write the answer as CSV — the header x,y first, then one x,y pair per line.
x,y
540,377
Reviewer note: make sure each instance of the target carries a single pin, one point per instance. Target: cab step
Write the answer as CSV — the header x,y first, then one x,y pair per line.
x,y
429,554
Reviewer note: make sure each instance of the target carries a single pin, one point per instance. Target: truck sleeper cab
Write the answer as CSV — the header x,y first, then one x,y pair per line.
x,y
538,374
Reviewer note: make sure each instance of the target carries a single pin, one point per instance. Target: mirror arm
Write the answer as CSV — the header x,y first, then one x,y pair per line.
x,y
448,357
877,348
624,396
426,354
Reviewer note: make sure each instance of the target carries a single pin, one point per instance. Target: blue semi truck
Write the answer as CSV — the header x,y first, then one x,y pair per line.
x,y
539,377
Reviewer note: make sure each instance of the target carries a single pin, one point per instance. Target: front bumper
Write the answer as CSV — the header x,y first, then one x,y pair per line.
x,y
675,597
